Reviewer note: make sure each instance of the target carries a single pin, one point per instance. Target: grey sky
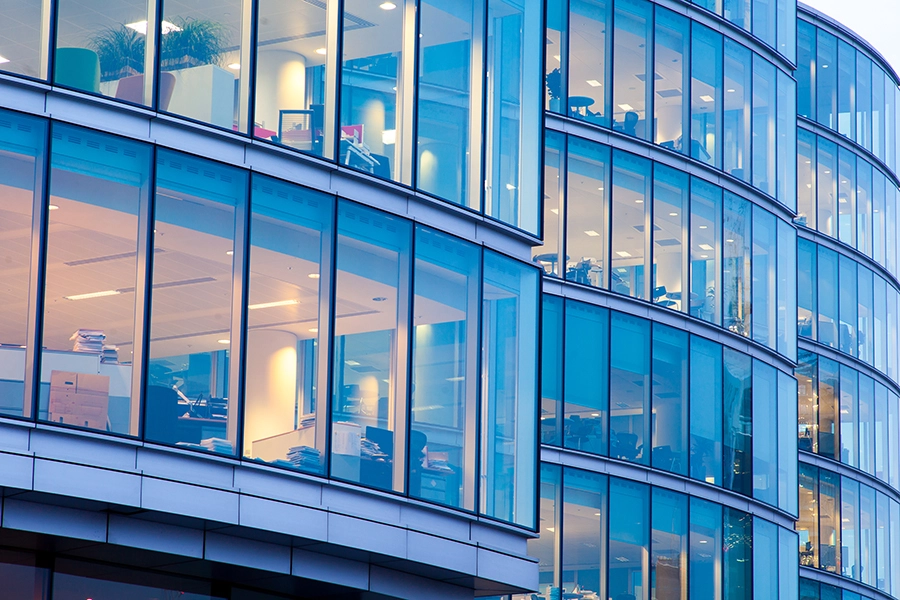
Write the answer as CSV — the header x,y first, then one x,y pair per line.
x,y
875,20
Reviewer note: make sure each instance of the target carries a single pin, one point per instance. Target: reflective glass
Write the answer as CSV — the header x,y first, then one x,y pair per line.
x,y
831,549
878,78
878,336
706,95
787,443
551,370
194,328
894,531
736,273
633,61
787,565
765,433
849,565
670,226
881,536
880,433
848,305
764,97
863,206
669,427
786,141
878,216
786,290
589,51
629,512
74,580
629,388
543,548
444,369
585,518
846,186
890,122
99,186
866,424
556,61
738,110
283,422
806,179
373,87
587,212
706,410
826,187
104,49
370,348
548,254
765,560
763,302
826,78
669,545
24,47
737,555
827,296
22,167
22,580
865,314
764,20
806,61
808,524
738,12
449,109
671,111
509,389
849,416
738,427
867,535
829,408
202,57
807,373
786,28
863,101
706,251
706,546
586,377
846,90
630,220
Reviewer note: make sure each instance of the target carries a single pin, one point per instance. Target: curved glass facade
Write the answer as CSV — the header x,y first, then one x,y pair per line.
x,y
814,590
191,303
734,105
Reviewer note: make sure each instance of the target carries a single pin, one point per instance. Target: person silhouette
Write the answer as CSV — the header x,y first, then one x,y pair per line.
x,y
631,121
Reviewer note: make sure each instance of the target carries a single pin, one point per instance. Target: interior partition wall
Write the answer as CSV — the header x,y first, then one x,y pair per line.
x,y
164,297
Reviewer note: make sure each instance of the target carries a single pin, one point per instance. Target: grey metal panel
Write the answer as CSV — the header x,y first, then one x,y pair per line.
x,y
352,187
189,500
27,97
492,537
441,552
288,165
278,486
99,113
87,482
195,139
367,535
406,586
158,537
14,437
16,471
186,468
430,520
85,450
330,569
351,502
247,553
495,566
54,520
280,517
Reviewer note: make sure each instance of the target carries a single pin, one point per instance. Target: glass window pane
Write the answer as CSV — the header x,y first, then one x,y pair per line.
x,y
669,537
806,179
202,59
27,56
807,374
92,293
449,111
189,401
585,517
509,389
764,20
103,51
787,443
556,61
706,550
826,188
629,520
738,12
806,63
738,555
849,565
629,388
894,439
848,306
867,535
551,370
846,196
786,130
878,218
880,434
672,39
630,219
632,97
73,580
826,78
548,254
22,580
736,265
588,64
736,132
863,101
738,426
706,251
765,560
370,350
881,534
586,379
444,370
786,26
372,87
895,545
827,297
587,212
764,280
786,292
878,336
765,433
22,164
670,225
866,424
706,95
865,311
288,237
808,524
669,426
878,77
846,90
787,565
706,410
829,407
863,206
764,97
543,548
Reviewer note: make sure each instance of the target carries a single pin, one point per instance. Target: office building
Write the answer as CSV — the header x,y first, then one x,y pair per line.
x,y
389,299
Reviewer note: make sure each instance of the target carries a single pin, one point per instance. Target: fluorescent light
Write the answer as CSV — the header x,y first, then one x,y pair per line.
x,y
730,91
673,214
93,295
555,211
141,27
626,107
387,6
389,136
638,201
224,341
624,254
706,247
551,529
730,241
230,252
53,207
456,379
592,233
313,275
273,304
594,83
556,56
703,227
352,363
314,330
510,187
234,66
3,59
321,51
707,98
704,256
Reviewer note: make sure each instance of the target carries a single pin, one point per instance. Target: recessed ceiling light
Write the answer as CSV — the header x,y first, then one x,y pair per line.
x,y
703,226
556,56
234,66
704,256
730,241
314,330
555,211
551,529
53,207
224,341
624,254
387,6
673,214
626,107
824,66
592,233
273,304
352,363
141,27
510,187
594,83
705,247
321,51
707,98
93,295
230,252
730,90
3,59
313,275
638,201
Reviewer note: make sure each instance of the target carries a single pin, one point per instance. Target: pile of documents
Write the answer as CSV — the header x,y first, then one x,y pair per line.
x,y
217,445
88,340
305,458
110,354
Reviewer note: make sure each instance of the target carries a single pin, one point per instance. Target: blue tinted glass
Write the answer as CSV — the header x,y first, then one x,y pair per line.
x,y
738,426
764,278
587,212
848,290
705,550
630,220
706,251
670,225
738,110
556,58
672,112
764,98
787,442
846,92
806,179
806,57
583,548
586,380
589,76
632,97
737,555
544,548
765,560
765,433
629,533
551,370
706,410
548,254
669,545
706,95
807,373
827,297
629,387
826,78
829,407
669,429
786,290
736,265
850,527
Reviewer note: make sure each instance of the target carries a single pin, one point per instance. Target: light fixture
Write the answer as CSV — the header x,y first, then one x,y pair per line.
x,y
673,214
824,66
273,304
706,247
389,136
730,90
730,241
224,341
321,51
600,189
3,59
704,256
594,83
93,295
704,226
313,275
638,201
141,27
707,98
556,56
314,330
510,187
555,211
230,252
234,66
387,6
827,172
626,107
703,541
595,414
352,363
624,254
454,379
551,529
592,233
53,207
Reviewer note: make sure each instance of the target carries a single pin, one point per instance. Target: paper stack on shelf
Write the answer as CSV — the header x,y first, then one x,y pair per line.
x,y
110,354
88,340
307,421
371,450
217,445
305,458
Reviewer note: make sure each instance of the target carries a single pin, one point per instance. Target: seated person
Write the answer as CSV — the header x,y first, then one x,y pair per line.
x,y
630,125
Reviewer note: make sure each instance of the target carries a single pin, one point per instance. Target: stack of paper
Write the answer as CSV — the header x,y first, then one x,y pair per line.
x,y
217,445
305,458
88,340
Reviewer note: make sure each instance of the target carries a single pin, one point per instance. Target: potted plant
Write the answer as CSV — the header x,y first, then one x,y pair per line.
x,y
191,43
553,80
121,52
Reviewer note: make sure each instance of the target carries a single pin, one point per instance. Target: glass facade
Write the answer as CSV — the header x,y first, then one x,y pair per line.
x,y
188,303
